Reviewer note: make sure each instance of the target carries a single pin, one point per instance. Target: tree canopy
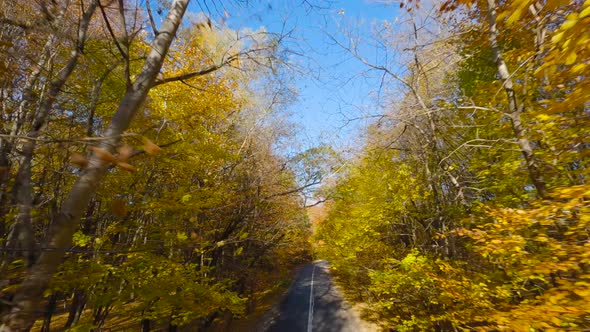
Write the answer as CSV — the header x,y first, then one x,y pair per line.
x,y
150,175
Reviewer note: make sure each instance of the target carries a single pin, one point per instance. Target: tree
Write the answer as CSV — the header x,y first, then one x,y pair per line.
x,y
29,294
475,203
195,184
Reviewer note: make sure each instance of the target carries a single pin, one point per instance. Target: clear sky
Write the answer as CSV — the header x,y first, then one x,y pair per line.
x,y
336,87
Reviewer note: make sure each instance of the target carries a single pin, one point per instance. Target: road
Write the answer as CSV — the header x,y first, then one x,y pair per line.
x,y
312,304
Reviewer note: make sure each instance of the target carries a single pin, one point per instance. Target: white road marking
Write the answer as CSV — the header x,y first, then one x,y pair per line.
x,y
310,311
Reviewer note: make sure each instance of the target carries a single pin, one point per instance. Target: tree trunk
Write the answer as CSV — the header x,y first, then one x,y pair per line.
x,y
22,234
100,316
515,109
76,308
145,325
49,311
6,147
30,294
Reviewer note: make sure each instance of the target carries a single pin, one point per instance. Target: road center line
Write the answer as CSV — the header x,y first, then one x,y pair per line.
x,y
310,311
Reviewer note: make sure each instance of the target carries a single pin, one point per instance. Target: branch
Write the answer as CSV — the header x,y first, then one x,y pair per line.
x,y
123,49
151,16
467,144
7,21
292,191
85,139
209,70
323,200
188,75
111,32
482,109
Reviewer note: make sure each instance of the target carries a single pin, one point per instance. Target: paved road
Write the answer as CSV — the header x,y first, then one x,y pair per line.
x,y
312,304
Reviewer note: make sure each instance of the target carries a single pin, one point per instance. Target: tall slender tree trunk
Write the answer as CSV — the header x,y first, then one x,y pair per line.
x,y
22,235
515,108
29,295
7,143
145,325
49,311
76,308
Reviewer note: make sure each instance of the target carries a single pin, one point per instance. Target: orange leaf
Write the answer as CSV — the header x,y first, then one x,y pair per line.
x,y
125,152
150,147
78,159
103,154
127,167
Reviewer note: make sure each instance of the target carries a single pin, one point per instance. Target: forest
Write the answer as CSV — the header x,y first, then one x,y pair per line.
x,y
167,208
468,207
150,174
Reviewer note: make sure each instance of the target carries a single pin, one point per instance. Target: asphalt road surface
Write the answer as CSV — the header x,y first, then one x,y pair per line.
x,y
312,304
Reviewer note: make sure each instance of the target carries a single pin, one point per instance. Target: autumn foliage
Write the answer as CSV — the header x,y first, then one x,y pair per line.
x,y
468,207
194,217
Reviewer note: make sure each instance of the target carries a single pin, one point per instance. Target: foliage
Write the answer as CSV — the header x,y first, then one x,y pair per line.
x,y
440,223
543,253
195,219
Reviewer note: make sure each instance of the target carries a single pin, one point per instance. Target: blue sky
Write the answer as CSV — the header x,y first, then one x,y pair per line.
x,y
334,90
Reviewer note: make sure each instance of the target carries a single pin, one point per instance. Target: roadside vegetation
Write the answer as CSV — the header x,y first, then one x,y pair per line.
x,y
139,179
467,209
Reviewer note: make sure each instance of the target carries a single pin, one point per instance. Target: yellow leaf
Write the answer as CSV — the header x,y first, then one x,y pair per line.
x,y
571,58
580,67
516,14
557,37
181,236
568,24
